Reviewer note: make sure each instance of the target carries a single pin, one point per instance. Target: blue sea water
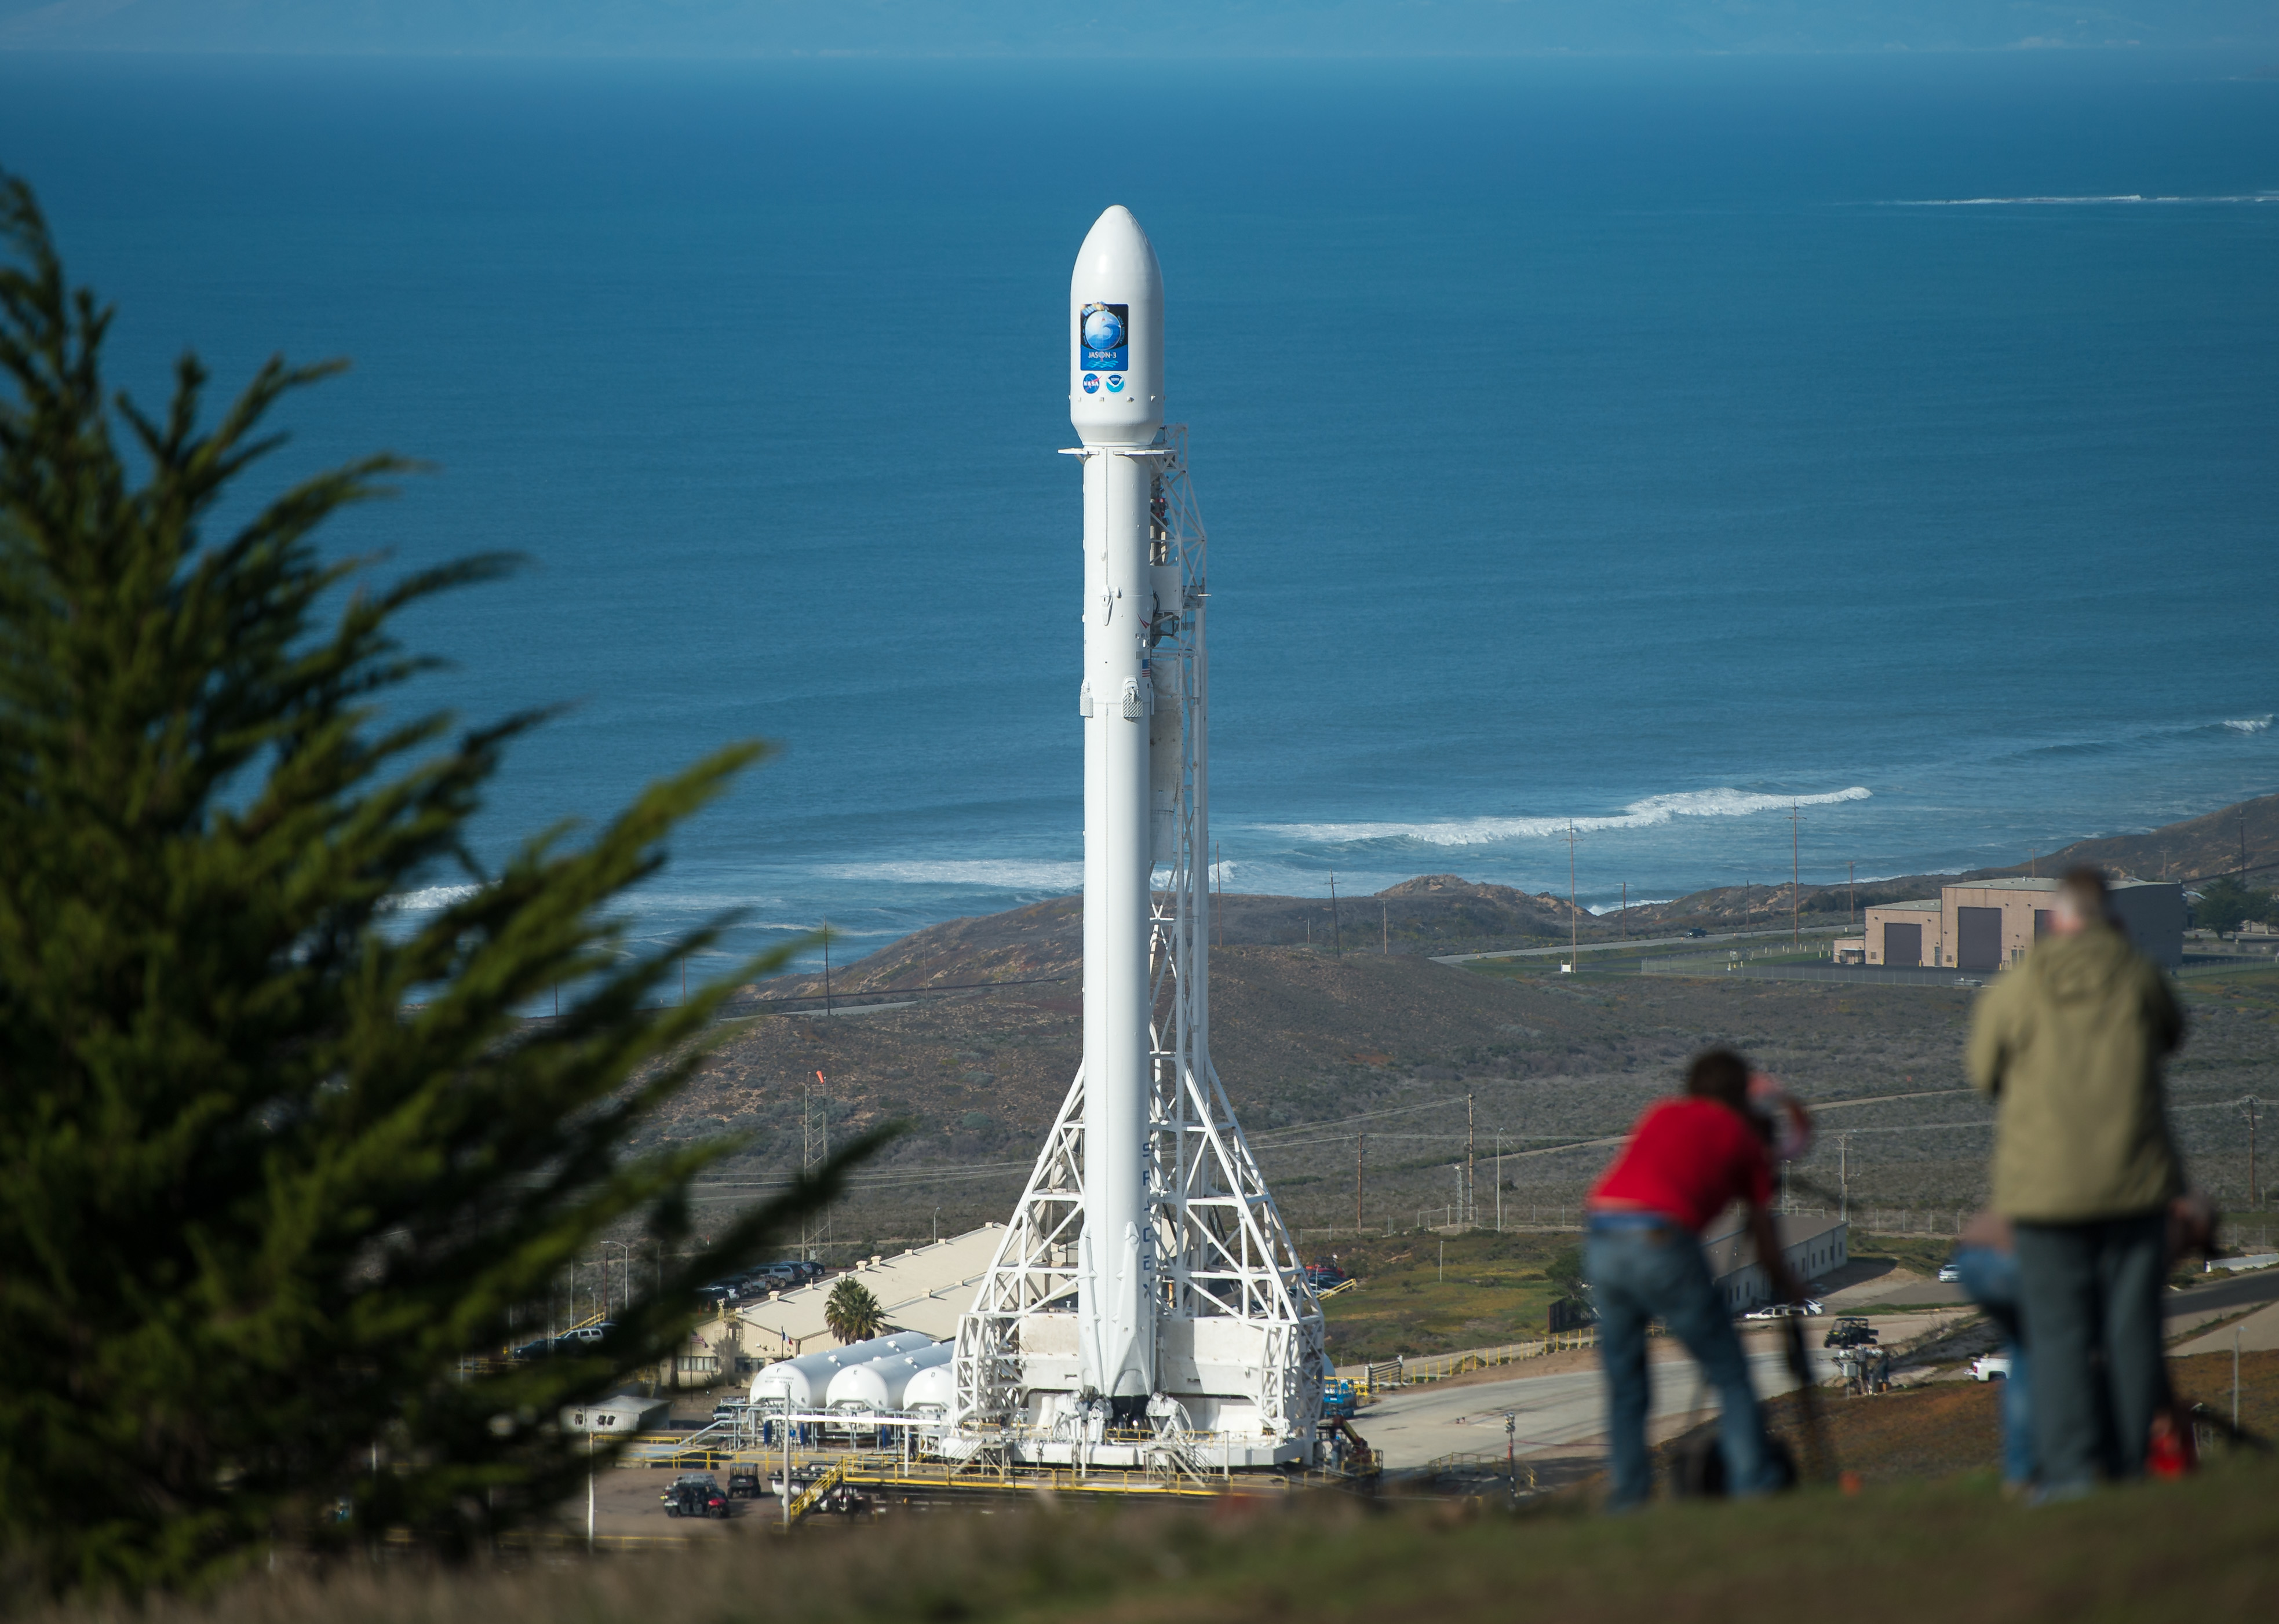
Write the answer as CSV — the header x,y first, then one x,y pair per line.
x,y
1647,445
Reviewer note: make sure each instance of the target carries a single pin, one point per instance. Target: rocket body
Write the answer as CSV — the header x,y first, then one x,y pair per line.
x,y
1116,401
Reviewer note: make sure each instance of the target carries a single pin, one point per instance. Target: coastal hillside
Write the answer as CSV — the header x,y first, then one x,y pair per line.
x,y
1325,1026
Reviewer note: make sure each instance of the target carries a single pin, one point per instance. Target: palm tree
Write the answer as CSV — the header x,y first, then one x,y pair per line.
x,y
852,1313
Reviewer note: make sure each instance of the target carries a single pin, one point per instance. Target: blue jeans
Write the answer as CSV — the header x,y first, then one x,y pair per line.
x,y
1638,1275
1991,1279
2091,1293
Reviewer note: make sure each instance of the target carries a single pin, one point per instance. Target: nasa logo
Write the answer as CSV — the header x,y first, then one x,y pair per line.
x,y
1092,383
1115,383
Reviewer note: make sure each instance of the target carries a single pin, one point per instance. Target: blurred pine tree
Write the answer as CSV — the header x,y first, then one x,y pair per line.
x,y
273,1163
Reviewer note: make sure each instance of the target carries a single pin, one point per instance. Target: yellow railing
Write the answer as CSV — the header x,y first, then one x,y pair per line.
x,y
806,1498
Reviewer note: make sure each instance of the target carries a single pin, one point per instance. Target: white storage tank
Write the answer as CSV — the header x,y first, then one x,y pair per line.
x,y
619,1412
930,1392
804,1381
876,1387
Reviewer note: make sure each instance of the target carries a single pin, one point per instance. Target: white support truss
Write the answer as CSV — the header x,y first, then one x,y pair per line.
x,y
1239,1334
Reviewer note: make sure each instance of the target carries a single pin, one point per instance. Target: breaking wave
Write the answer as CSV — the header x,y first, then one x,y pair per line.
x,y
1647,814
2250,724
428,899
999,874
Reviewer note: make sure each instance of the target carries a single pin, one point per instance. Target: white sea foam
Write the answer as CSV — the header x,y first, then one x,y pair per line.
x,y
2250,724
428,899
999,874
2106,200
1650,813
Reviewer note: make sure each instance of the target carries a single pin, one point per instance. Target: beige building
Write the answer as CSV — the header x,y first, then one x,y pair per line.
x,y
925,1289
1903,934
1984,926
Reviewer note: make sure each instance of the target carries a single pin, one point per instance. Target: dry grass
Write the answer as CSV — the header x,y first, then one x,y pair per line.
x,y
1954,1550
1490,1290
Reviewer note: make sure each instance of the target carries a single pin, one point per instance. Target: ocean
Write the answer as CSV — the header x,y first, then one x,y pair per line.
x,y
1651,447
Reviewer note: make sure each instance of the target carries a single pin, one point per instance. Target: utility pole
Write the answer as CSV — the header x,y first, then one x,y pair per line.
x,y
1337,936
1850,896
1844,1175
1574,922
827,967
1360,1174
1218,874
2248,1108
1471,1169
1795,876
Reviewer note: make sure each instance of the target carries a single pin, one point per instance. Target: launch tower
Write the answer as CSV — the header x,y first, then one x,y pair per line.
x,y
1146,1307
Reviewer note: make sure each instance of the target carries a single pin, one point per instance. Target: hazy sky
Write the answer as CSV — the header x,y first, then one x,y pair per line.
x,y
1082,29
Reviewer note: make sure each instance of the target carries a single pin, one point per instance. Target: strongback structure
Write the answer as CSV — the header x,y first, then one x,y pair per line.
x,y
1146,1307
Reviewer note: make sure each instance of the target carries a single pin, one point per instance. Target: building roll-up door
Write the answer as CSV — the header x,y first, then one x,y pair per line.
x,y
1978,939
1902,944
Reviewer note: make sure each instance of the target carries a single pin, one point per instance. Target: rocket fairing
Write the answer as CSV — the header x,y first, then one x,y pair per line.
x,y
1115,402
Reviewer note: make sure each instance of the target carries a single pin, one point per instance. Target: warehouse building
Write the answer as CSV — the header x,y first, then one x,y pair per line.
x,y
1984,926
1813,1245
925,1289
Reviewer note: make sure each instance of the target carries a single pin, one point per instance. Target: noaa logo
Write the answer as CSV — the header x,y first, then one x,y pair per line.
x,y
1092,383
1115,384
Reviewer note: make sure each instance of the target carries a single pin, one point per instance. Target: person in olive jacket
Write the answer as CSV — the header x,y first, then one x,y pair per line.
x,y
2069,1044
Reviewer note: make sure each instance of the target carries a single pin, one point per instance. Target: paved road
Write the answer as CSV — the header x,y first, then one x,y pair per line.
x,y
1630,946
1555,1412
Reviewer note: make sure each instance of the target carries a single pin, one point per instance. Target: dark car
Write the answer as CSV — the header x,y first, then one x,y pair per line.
x,y
743,1483
698,1494
1850,1331
1697,932
1321,1276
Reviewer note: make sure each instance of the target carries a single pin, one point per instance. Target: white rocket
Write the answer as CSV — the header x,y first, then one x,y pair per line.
x,y
1145,1271
1116,401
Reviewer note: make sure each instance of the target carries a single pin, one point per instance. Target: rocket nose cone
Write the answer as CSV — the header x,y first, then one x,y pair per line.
x,y
1116,253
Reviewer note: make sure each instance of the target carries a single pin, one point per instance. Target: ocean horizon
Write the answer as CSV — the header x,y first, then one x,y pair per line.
x,y
1648,446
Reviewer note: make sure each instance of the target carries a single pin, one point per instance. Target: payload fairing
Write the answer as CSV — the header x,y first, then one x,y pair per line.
x,y
1147,1300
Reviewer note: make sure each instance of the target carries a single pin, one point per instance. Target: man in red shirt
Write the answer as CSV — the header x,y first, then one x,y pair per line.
x,y
1686,1161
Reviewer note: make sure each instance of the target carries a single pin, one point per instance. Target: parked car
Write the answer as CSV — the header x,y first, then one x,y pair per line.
x,y
1697,933
1950,1272
1850,1331
1775,1311
743,1483
541,1349
1991,1367
696,1494
1321,1276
